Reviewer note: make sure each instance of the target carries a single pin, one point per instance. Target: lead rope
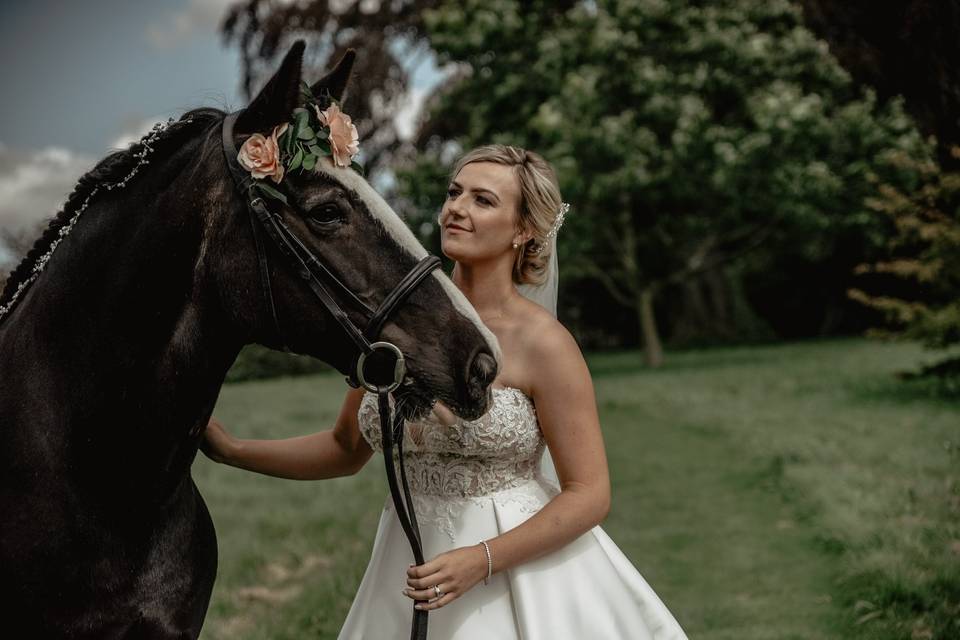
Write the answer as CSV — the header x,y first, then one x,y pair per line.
x,y
398,438
405,512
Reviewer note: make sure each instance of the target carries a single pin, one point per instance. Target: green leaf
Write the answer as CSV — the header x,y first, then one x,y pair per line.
x,y
307,91
357,167
297,160
306,133
286,141
309,162
299,124
270,191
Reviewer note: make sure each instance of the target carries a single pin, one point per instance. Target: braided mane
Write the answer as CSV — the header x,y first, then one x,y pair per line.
x,y
111,168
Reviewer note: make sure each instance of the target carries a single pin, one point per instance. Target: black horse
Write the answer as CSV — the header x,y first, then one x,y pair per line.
x,y
111,362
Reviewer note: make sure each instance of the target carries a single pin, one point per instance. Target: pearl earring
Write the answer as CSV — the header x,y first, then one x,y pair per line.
x,y
515,245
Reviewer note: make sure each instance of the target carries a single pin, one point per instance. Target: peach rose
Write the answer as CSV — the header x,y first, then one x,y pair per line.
x,y
261,155
344,141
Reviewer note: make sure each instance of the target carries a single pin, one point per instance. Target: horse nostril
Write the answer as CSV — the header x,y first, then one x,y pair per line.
x,y
483,369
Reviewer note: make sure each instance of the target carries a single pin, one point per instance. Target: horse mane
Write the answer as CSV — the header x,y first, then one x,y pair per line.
x,y
111,168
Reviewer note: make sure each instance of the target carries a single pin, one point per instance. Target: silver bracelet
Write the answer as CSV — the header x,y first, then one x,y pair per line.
x,y
489,562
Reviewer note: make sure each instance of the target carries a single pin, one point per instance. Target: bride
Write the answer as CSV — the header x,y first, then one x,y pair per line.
x,y
509,505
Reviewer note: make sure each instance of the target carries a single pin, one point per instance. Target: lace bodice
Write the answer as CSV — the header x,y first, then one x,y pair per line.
x,y
501,449
494,458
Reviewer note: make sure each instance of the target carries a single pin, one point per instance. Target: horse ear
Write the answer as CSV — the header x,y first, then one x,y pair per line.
x,y
278,98
335,82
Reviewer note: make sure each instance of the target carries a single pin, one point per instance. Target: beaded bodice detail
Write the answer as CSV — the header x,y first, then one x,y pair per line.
x,y
495,458
499,450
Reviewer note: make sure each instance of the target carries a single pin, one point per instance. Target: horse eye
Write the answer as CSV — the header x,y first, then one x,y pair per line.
x,y
326,213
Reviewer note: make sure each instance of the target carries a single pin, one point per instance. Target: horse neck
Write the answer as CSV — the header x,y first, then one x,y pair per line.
x,y
125,345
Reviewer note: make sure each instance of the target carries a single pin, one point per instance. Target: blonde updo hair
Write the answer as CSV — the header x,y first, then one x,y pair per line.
x,y
539,203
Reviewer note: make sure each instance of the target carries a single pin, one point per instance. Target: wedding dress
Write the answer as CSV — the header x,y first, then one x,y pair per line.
x,y
474,480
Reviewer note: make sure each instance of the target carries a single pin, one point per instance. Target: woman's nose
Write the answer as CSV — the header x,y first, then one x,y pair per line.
x,y
453,205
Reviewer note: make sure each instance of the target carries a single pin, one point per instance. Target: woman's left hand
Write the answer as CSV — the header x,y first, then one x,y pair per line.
x,y
455,572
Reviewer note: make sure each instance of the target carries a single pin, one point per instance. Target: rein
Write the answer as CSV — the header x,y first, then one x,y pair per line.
x,y
316,276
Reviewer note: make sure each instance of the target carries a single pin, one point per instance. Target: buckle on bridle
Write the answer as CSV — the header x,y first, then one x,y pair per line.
x,y
399,367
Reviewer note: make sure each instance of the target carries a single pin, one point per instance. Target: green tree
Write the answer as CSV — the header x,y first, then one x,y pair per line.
x,y
686,134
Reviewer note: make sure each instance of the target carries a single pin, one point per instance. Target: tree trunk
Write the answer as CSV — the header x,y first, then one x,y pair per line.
x,y
721,324
652,349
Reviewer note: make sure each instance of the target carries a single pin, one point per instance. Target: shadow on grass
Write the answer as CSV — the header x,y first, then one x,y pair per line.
x,y
770,475
898,389
608,364
887,607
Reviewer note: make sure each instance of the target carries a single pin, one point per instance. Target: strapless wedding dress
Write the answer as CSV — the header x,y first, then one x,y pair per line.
x,y
474,480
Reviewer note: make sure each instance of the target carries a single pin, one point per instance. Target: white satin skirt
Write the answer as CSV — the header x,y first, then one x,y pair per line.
x,y
587,589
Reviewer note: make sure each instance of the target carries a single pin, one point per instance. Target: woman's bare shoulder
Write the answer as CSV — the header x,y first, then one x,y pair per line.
x,y
541,329
548,343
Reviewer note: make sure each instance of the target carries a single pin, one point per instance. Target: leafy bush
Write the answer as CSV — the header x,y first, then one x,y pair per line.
x,y
923,258
256,362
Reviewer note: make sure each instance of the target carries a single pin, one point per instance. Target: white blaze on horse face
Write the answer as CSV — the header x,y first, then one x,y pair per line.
x,y
403,236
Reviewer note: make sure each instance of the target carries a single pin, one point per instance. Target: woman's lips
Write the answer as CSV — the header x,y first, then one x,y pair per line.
x,y
454,229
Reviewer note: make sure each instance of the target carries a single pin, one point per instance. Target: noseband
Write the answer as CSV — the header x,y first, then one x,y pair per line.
x,y
319,278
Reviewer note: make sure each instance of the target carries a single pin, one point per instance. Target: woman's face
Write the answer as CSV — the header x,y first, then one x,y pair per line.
x,y
479,217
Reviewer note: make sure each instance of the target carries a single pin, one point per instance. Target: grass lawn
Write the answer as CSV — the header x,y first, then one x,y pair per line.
x,y
786,491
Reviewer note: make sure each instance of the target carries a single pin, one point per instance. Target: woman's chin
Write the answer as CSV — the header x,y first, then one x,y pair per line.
x,y
453,254
457,251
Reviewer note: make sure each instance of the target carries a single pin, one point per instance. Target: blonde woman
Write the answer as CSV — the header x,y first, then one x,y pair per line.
x,y
509,505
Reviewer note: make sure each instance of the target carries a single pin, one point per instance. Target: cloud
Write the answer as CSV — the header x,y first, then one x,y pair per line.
x,y
199,16
134,131
33,187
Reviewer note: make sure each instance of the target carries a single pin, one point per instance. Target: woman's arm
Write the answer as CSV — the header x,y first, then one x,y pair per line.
x,y
339,451
567,411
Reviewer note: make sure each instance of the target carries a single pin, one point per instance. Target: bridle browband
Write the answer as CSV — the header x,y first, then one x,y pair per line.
x,y
316,275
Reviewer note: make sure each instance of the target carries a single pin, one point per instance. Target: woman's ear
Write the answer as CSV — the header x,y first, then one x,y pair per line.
x,y
524,233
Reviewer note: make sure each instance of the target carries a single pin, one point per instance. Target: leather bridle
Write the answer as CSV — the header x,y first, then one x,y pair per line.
x,y
316,275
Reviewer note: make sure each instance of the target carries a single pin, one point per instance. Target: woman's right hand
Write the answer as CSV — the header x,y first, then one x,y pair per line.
x,y
217,444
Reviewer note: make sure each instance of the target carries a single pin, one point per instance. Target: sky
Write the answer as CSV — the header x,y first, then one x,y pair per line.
x,y
82,78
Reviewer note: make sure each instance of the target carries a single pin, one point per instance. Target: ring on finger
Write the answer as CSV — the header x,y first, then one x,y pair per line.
x,y
437,591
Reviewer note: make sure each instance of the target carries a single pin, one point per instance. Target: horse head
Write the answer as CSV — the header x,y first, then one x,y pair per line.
x,y
363,244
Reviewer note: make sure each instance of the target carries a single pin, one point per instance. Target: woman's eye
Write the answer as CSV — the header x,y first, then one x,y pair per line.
x,y
483,201
451,193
